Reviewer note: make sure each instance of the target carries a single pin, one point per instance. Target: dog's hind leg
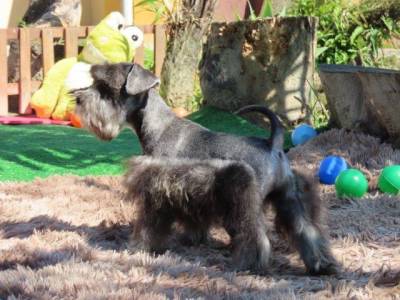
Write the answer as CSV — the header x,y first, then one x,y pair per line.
x,y
297,214
243,218
251,248
153,228
195,233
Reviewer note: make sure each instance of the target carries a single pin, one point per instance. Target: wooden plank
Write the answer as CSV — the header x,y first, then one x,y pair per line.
x,y
25,71
34,33
58,32
35,85
147,28
48,49
3,73
89,29
71,41
139,56
13,88
82,31
160,44
12,33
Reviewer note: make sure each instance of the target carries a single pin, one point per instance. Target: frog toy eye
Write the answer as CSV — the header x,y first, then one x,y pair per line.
x,y
116,21
134,34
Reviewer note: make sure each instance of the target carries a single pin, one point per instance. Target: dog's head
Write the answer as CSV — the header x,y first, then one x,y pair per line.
x,y
105,94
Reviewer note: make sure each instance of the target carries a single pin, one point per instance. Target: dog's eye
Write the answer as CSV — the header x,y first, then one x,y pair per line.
x,y
120,26
135,37
78,100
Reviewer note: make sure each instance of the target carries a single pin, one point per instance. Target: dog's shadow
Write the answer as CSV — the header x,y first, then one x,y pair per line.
x,y
114,236
105,235
214,259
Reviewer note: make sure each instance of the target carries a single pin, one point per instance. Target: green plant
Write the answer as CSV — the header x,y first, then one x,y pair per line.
x,y
344,34
315,109
265,12
196,101
149,59
22,24
162,9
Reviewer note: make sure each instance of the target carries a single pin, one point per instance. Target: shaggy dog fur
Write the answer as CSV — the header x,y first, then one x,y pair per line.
x,y
70,241
126,95
199,194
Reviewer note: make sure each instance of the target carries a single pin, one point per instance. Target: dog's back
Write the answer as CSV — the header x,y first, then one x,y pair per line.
x,y
186,185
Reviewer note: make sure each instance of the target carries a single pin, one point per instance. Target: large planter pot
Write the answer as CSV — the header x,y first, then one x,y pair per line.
x,y
268,62
363,98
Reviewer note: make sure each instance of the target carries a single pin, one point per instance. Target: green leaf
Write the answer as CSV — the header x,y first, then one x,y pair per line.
x,y
266,9
356,33
320,50
146,2
389,23
238,17
252,15
283,12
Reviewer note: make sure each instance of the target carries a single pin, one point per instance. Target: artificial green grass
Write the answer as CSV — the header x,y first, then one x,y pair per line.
x,y
30,151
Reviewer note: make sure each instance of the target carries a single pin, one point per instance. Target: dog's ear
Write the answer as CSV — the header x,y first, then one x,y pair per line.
x,y
140,80
111,75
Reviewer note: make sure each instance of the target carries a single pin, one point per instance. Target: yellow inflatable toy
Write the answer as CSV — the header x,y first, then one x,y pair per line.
x,y
111,41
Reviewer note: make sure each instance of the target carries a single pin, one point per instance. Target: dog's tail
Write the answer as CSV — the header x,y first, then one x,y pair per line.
x,y
277,130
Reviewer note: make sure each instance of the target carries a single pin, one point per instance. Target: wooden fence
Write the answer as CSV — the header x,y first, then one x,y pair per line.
x,y
71,35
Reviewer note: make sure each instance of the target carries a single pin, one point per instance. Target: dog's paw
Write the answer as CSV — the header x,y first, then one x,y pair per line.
x,y
189,239
325,268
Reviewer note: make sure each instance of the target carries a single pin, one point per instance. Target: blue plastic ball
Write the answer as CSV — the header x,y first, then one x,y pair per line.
x,y
330,168
302,134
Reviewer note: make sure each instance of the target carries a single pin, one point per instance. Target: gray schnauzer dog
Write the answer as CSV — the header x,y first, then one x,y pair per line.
x,y
198,194
110,97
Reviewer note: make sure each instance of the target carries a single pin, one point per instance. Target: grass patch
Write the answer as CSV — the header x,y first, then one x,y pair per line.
x,y
30,151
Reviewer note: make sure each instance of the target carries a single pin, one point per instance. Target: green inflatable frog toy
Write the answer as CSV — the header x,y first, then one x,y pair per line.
x,y
111,41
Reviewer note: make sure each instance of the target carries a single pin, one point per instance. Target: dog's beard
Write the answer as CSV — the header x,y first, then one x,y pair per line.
x,y
100,116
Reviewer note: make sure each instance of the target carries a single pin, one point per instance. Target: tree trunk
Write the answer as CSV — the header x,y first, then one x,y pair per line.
x,y
367,99
183,53
43,13
268,62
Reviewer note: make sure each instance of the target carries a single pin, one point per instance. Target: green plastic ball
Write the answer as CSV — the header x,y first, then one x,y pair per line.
x,y
351,183
389,180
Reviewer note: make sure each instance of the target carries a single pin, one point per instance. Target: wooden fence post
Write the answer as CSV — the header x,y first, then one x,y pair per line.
x,y
25,71
139,55
25,86
159,48
48,49
71,41
3,73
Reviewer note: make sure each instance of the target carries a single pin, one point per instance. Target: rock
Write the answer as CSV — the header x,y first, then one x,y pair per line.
x,y
268,62
363,98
